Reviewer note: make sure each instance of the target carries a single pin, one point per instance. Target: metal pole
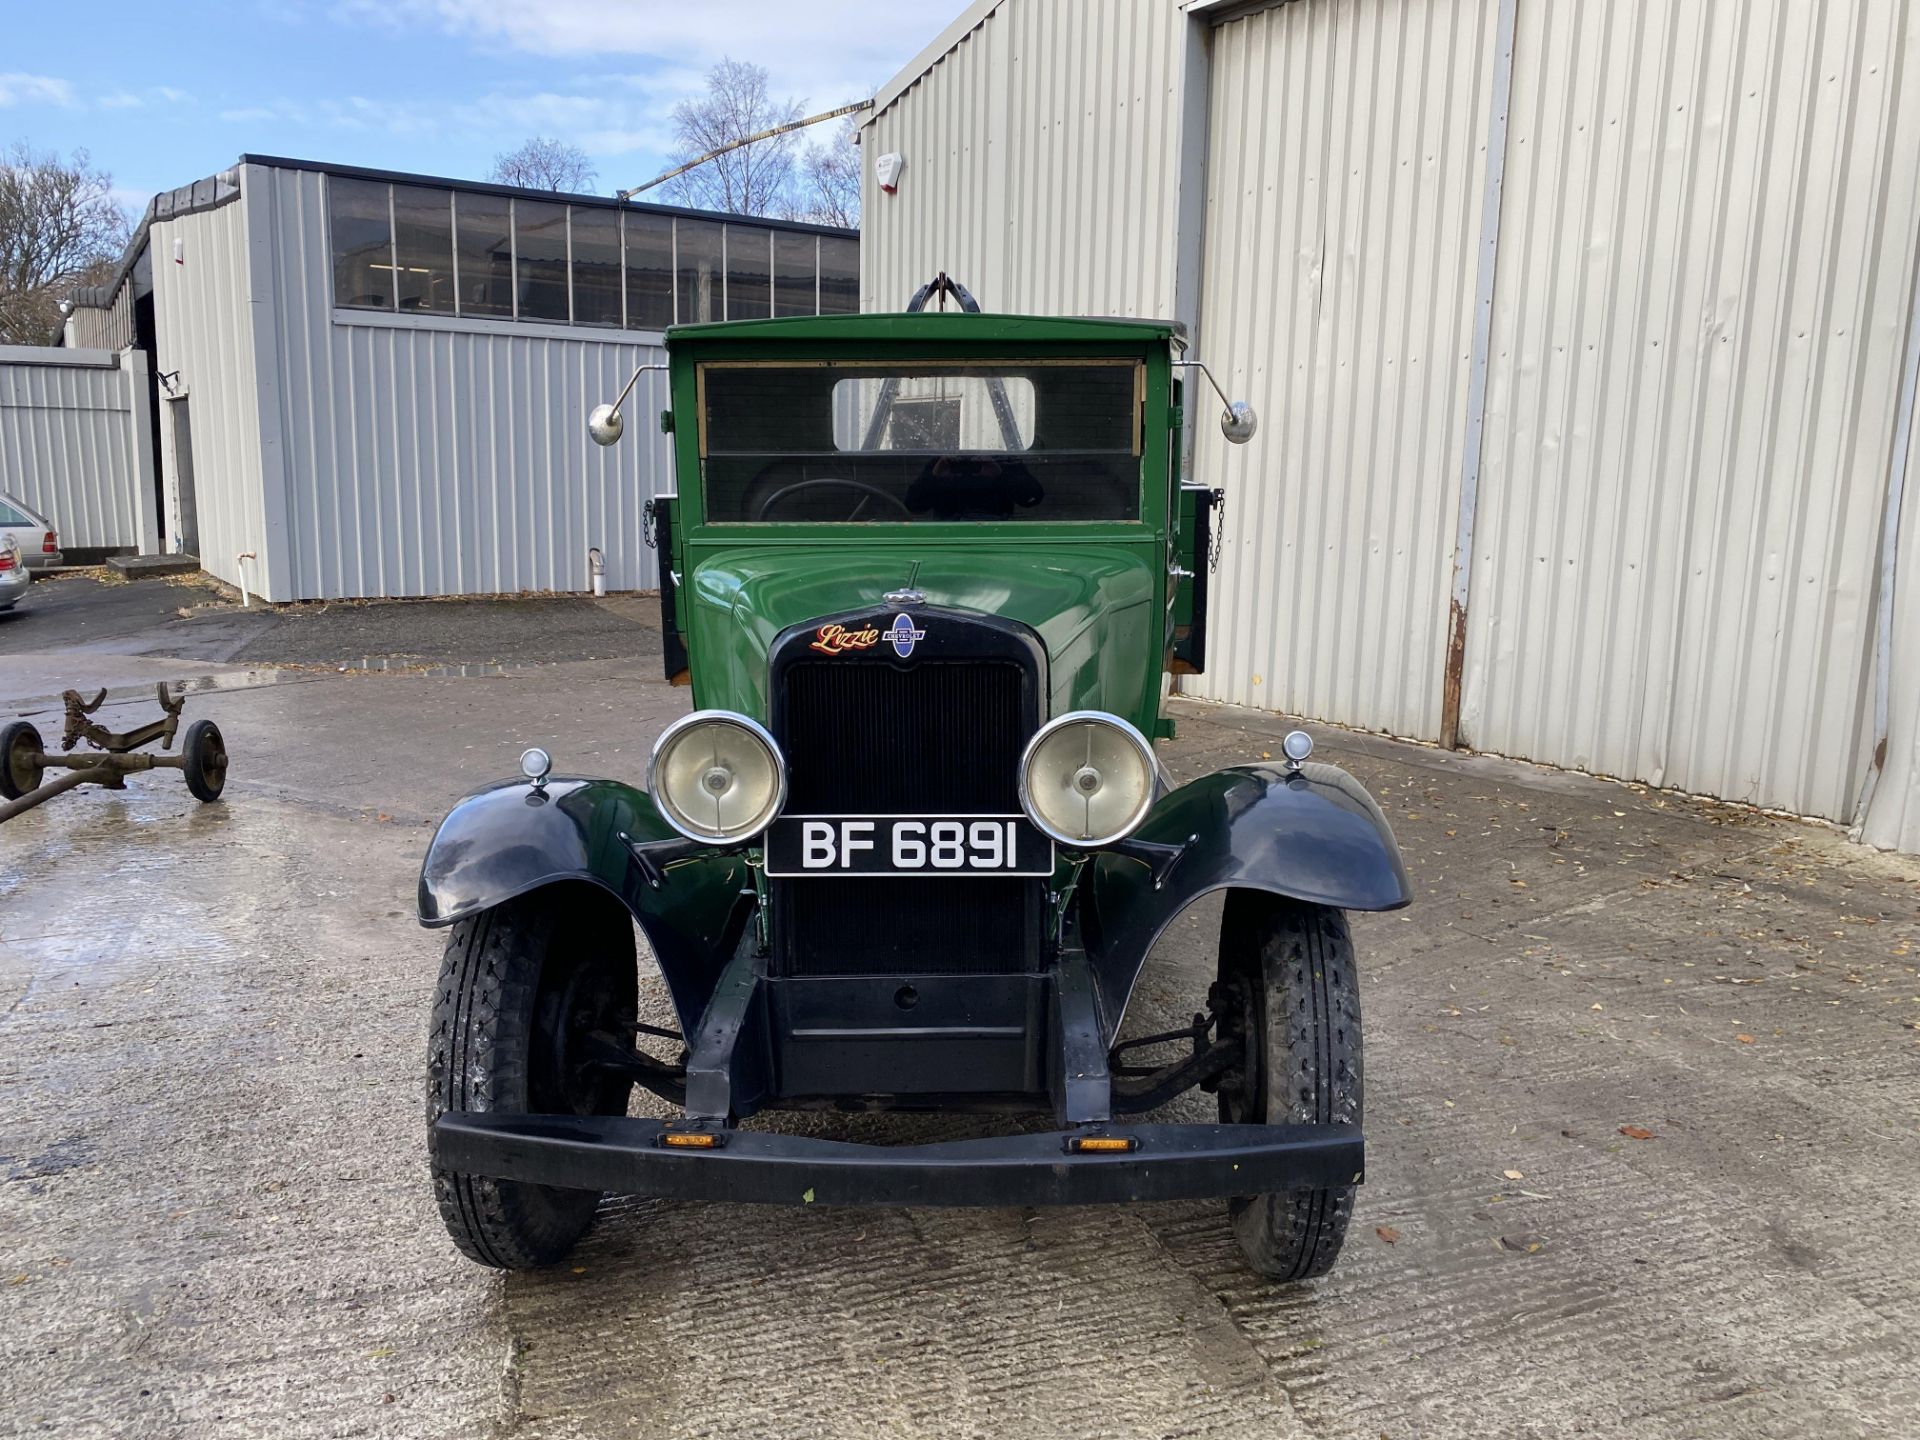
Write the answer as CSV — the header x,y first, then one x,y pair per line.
x,y
732,145
1477,374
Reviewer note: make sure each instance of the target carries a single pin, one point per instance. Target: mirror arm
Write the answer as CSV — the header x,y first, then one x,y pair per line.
x,y
1201,366
632,380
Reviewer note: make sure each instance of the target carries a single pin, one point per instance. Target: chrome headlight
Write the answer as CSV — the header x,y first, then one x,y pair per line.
x,y
1088,779
717,777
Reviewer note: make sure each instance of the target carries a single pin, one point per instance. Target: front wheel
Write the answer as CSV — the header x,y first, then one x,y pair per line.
x,y
522,988
1287,984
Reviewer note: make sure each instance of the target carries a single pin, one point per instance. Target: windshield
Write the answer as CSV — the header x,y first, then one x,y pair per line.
x,y
850,443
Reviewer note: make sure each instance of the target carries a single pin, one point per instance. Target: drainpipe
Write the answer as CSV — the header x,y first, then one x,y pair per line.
x,y
1889,555
1477,374
597,564
240,565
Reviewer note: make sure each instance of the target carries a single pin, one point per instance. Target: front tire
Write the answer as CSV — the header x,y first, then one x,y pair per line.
x,y
1288,982
520,988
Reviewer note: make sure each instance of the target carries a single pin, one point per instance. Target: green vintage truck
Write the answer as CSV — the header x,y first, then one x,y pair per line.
x,y
926,575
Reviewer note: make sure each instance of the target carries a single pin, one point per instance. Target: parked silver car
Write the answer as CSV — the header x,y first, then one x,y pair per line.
x,y
27,542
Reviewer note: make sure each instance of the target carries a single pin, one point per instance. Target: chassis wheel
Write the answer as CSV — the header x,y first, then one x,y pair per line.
x,y
205,757
1287,982
21,753
521,987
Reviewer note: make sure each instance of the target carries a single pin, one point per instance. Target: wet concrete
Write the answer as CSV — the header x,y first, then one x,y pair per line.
x,y
216,1219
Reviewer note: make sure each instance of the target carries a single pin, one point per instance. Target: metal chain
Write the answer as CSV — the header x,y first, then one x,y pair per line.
x,y
1219,531
646,525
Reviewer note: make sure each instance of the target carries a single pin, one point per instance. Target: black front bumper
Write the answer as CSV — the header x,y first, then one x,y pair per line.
x,y
1170,1162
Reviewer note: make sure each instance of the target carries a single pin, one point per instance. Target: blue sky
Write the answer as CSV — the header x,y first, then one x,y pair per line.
x,y
162,94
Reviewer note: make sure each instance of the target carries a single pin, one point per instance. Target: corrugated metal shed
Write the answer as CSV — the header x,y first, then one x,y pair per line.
x,y
1706,254
1043,158
210,400
75,445
1345,162
415,456
107,325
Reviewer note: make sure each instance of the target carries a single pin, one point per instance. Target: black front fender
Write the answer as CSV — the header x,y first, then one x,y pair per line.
x,y
1314,835
509,839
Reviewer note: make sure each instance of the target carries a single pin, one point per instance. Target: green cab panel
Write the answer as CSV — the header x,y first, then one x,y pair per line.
x,y
1091,604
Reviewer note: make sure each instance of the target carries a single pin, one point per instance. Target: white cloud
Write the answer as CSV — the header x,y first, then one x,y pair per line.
x,y
120,100
824,51
21,89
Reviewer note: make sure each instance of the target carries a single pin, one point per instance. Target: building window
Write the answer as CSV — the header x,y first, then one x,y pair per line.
x,y
423,249
839,275
649,270
749,273
596,266
540,259
699,287
362,244
484,230
796,273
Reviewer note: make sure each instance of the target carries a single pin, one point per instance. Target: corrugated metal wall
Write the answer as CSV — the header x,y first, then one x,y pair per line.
x,y
1345,164
205,316
74,444
1706,253
1042,164
103,327
447,460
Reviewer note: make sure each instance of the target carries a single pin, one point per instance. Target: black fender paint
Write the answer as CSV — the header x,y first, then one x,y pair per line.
x,y
509,839
1314,834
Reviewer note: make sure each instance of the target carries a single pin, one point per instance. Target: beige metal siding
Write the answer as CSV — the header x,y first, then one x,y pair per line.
x,y
1706,254
204,313
1042,157
74,444
424,459
1345,166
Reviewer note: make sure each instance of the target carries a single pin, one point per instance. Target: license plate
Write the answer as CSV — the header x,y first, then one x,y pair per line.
x,y
800,845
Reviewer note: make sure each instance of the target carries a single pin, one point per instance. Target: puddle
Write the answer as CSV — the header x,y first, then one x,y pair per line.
x,y
255,677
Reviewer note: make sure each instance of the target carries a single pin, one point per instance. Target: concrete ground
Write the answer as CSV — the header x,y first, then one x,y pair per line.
x,y
1644,1110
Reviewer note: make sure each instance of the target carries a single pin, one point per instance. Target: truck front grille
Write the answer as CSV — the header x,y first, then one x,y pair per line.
x,y
868,736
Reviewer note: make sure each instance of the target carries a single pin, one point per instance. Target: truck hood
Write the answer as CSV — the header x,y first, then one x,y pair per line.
x,y
1092,605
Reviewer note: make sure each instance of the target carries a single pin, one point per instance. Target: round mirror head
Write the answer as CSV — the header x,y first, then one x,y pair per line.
x,y
1298,745
1239,422
605,425
535,763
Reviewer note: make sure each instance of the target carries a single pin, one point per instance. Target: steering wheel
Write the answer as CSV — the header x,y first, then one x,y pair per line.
x,y
867,492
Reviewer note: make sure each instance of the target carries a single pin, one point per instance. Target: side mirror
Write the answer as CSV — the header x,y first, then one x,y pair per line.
x,y
603,421
605,425
1237,421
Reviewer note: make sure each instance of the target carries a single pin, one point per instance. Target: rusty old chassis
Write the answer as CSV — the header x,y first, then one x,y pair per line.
x,y
110,765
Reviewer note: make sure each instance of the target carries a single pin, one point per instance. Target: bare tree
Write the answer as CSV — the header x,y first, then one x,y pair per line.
x,y
59,228
753,180
543,164
828,191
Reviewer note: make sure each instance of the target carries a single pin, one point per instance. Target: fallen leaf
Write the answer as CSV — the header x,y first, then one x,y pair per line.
x,y
579,1269
1516,882
806,1196
385,1352
1513,1174
1636,1132
1526,1242
1745,1039
1387,1233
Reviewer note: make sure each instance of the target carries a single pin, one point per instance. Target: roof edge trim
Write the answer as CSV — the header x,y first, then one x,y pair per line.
x,y
970,20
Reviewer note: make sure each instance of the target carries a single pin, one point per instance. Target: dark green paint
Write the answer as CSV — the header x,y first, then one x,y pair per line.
x,y
1097,593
